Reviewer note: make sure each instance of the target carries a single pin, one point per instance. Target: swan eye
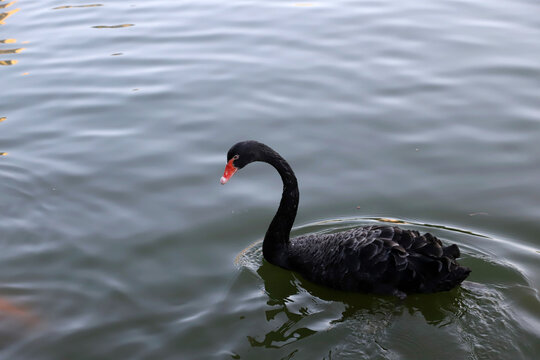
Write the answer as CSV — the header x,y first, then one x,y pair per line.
x,y
235,157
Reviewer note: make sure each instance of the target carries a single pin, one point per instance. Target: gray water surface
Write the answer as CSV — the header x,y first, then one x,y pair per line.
x,y
117,241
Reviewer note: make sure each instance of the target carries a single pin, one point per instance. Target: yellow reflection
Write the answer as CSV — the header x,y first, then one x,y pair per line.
x,y
3,6
76,6
16,311
3,153
112,26
11,51
26,73
3,118
4,16
394,221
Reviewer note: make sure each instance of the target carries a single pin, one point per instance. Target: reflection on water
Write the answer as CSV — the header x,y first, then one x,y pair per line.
x,y
1,120
3,17
11,51
76,6
112,26
280,293
8,62
9,309
5,5
475,315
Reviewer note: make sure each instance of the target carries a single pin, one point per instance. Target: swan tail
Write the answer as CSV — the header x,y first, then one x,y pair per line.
x,y
454,278
452,251
431,266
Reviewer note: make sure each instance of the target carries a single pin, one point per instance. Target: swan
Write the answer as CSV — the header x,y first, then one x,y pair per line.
x,y
379,259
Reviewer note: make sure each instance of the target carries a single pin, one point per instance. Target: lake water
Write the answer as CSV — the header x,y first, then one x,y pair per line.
x,y
117,241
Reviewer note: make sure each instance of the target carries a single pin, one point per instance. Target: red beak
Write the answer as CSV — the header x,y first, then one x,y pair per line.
x,y
229,172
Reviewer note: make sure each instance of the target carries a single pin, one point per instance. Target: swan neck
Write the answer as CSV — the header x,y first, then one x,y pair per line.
x,y
276,240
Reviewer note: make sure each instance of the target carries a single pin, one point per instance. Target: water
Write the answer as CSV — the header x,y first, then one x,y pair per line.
x,y
118,241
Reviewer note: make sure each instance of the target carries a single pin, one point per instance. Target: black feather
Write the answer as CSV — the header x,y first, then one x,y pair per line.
x,y
361,260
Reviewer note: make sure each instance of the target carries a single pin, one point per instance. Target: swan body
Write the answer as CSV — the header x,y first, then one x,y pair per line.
x,y
374,259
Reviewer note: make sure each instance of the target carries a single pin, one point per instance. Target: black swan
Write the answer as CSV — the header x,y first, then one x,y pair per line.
x,y
377,259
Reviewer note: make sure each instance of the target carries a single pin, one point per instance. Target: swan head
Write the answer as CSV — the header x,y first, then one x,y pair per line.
x,y
241,154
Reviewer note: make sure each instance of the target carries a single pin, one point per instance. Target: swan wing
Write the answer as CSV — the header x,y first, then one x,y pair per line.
x,y
381,259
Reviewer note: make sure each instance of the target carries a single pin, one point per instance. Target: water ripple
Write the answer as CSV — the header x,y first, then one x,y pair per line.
x,y
118,238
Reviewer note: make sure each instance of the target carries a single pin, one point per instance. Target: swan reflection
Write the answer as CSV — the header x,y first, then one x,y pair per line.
x,y
298,309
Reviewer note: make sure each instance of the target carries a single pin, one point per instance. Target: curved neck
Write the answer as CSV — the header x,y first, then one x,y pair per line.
x,y
276,240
